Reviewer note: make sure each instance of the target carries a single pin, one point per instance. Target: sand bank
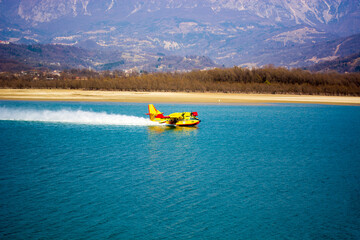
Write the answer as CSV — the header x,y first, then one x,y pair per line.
x,y
168,97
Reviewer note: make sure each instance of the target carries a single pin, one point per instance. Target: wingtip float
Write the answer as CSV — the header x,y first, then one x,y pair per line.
x,y
176,119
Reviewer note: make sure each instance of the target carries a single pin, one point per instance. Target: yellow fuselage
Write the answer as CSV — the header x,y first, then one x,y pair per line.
x,y
179,119
176,119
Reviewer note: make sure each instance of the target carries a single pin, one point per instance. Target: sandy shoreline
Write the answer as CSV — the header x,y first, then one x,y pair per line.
x,y
168,97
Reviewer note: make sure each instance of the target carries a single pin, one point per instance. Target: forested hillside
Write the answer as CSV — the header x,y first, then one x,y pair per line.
x,y
342,65
19,57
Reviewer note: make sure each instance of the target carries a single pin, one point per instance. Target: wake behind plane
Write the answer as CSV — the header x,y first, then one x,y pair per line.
x,y
175,119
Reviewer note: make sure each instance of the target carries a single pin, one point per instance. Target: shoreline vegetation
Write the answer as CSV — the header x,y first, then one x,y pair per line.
x,y
170,97
225,85
267,80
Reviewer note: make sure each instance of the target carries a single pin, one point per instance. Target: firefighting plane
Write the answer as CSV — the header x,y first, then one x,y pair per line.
x,y
174,119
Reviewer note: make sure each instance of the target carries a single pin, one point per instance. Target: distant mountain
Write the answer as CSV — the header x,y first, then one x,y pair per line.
x,y
23,57
15,57
305,54
342,65
231,32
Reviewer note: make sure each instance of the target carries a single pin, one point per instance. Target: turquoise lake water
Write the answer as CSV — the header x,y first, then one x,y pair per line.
x,y
104,171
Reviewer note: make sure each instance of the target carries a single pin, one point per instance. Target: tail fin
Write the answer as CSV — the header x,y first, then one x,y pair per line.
x,y
153,112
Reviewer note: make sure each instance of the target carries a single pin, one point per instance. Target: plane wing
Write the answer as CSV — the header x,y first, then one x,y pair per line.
x,y
175,117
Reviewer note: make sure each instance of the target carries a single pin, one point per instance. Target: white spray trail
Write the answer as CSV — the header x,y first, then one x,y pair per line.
x,y
72,116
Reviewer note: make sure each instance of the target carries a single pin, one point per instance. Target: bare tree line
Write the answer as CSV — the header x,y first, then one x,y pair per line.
x,y
229,80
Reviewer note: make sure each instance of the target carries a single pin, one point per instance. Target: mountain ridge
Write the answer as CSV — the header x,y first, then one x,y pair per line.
x,y
231,32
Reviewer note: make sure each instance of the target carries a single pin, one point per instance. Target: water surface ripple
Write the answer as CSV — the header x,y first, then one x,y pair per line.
x,y
285,171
